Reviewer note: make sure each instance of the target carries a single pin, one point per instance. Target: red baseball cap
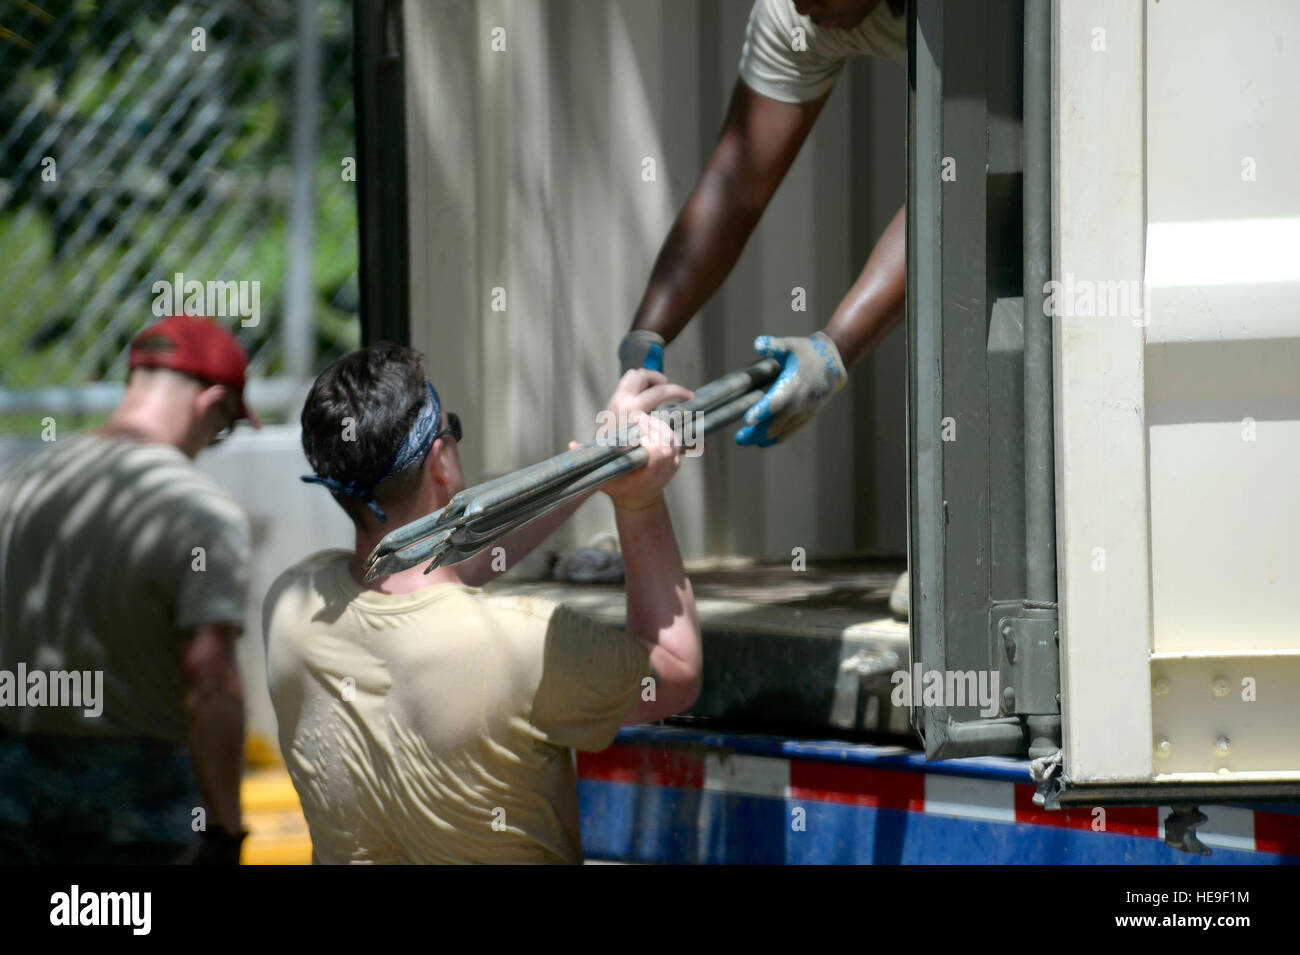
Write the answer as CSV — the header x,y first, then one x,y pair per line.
x,y
197,347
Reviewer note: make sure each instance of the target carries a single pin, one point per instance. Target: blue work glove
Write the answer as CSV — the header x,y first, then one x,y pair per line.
x,y
811,371
641,349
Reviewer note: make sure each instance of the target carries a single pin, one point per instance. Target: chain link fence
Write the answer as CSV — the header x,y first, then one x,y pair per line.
x,y
144,143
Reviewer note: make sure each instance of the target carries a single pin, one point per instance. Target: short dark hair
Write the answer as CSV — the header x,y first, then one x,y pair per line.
x,y
381,388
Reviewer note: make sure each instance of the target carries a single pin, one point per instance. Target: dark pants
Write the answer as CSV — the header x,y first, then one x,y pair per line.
x,y
75,801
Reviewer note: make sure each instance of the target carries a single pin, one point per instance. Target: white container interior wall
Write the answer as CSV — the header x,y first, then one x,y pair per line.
x,y
543,178
1178,422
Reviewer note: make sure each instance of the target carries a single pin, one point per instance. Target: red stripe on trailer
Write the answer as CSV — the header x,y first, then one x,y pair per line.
x,y
857,785
846,784
1130,820
643,766
1277,832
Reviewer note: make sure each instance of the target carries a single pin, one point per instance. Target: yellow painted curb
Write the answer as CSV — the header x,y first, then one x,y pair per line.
x,y
277,830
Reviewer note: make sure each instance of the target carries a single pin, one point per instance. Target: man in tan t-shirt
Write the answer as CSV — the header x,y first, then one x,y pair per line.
x,y
123,579
423,720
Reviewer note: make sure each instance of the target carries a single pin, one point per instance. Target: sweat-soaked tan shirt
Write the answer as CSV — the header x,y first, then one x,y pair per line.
x,y
438,726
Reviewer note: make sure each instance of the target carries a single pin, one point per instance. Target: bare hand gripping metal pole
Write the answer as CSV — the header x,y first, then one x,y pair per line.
x,y
480,515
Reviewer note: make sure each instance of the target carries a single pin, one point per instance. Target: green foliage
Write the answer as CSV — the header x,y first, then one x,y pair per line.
x,y
168,160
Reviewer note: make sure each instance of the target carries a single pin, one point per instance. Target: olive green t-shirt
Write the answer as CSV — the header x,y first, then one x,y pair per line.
x,y
111,552
438,726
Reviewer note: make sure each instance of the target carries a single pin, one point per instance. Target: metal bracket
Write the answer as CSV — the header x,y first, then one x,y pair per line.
x,y
1029,662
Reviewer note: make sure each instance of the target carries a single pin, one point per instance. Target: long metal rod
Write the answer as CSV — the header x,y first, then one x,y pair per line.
x,y
468,541
477,517
489,495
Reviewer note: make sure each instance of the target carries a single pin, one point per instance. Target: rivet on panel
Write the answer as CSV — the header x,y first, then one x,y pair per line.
x,y
1221,687
1221,746
1164,747
1161,687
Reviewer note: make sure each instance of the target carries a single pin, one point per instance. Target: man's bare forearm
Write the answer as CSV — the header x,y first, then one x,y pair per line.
x,y
874,305
214,719
701,249
759,141
215,731
660,601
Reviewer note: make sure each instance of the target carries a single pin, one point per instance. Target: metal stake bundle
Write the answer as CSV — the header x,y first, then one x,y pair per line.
x,y
480,515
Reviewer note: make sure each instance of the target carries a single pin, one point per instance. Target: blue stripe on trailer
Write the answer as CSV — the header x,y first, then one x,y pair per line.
x,y
673,794
858,754
668,825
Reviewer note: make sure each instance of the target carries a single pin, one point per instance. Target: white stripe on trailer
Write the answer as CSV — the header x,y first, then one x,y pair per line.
x,y
1227,827
965,798
747,775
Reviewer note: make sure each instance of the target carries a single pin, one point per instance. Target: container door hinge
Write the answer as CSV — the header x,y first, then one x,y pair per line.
x,y
1029,663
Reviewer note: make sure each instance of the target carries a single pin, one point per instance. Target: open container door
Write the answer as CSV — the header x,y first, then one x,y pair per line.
x,y
1104,359
1177,247
984,675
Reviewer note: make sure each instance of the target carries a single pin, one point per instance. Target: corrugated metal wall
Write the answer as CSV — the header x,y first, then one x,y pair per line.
x,y
526,174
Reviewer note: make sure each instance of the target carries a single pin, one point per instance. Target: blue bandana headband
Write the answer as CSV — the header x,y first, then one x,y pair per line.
x,y
413,448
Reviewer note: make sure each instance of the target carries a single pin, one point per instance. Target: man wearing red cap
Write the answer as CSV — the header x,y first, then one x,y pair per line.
x,y
123,572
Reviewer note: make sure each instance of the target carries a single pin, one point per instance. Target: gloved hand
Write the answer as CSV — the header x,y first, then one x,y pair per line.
x,y
811,371
641,349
